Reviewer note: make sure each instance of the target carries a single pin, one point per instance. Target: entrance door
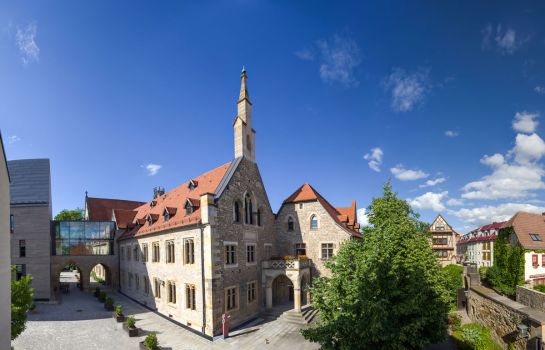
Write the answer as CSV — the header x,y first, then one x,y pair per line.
x,y
290,291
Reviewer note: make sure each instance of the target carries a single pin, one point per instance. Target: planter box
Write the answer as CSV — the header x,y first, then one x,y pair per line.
x,y
109,308
132,332
143,347
120,318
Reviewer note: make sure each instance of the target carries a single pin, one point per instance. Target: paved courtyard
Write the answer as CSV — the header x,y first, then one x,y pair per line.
x,y
80,322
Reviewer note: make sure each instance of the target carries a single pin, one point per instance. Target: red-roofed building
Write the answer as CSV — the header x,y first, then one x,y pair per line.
x,y
477,246
443,240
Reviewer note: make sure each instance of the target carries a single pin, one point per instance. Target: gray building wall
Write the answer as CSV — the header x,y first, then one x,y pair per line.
x,y
5,276
30,200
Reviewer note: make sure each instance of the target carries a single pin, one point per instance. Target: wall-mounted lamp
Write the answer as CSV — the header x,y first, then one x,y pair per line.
x,y
523,330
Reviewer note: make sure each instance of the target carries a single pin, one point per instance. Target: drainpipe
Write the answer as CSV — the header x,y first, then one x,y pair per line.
x,y
202,282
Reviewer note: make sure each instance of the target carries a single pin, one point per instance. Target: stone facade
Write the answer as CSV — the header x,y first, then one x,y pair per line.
x,y
531,297
5,275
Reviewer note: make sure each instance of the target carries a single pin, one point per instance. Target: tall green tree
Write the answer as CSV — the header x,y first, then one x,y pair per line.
x,y
21,301
386,292
69,214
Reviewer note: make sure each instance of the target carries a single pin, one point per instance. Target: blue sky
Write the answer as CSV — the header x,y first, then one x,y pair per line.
x,y
444,98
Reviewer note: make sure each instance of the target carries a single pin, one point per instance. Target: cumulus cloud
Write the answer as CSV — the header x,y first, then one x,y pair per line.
x,y
403,174
494,160
451,133
505,40
540,90
25,39
454,202
363,220
430,200
374,158
13,138
431,183
407,90
152,169
525,122
488,214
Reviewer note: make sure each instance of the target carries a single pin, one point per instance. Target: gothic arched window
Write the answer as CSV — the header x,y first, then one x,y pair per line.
x,y
236,211
249,217
314,222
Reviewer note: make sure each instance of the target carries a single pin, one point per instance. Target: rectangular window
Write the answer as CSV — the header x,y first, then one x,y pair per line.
x,y
170,251
543,260
535,260
146,285
157,287
145,252
250,253
231,298
155,252
300,249
535,237
268,251
137,282
20,271
11,223
136,252
171,295
189,251
22,248
230,254
327,251
252,292
440,241
190,297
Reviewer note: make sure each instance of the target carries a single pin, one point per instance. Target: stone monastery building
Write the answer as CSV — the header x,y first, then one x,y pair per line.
x,y
214,246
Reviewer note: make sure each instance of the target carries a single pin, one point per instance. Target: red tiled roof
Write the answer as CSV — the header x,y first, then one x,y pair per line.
x,y
492,226
478,239
175,202
124,217
345,217
100,209
525,224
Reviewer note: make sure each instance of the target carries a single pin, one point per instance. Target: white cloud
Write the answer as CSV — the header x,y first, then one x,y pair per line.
x,y
451,133
540,90
403,174
13,138
494,160
375,158
339,57
488,214
505,41
528,148
525,122
454,202
152,169
430,200
305,54
434,182
407,89
363,220
26,42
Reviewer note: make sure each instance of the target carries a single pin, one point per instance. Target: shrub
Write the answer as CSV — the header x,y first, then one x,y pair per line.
x,y
151,341
483,271
454,320
475,337
540,288
102,297
453,277
118,310
131,322
109,302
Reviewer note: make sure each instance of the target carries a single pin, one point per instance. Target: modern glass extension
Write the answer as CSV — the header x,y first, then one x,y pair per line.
x,y
83,237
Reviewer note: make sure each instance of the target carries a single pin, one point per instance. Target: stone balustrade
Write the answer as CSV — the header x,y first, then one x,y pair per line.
x,y
280,264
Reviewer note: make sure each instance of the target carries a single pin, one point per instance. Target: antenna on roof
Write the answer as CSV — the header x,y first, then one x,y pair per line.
x,y
158,191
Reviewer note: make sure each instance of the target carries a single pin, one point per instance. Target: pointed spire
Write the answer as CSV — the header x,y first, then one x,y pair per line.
x,y
244,95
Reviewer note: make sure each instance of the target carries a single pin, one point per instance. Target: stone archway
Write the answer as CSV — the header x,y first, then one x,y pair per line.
x,y
282,291
100,275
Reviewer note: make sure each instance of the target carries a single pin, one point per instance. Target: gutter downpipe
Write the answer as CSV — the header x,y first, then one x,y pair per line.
x,y
202,283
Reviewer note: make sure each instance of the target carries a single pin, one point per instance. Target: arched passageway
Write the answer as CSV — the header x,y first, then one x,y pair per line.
x,y
282,290
100,276
70,278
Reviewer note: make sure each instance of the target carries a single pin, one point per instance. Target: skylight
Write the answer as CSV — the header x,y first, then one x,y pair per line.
x,y
535,237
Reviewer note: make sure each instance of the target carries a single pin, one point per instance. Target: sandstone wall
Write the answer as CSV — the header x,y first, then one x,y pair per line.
x,y
531,297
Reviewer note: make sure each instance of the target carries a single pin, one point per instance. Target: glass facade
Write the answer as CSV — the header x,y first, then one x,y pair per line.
x,y
83,237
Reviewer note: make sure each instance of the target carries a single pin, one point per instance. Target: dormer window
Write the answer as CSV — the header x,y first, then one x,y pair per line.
x,y
168,213
152,204
535,237
188,208
152,218
192,185
166,216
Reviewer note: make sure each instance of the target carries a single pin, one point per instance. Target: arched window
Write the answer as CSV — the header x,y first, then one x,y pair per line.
x,y
249,217
290,224
314,222
236,211
258,217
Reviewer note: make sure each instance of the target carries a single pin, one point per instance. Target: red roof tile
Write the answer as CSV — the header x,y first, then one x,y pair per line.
x,y
175,202
525,224
124,217
100,209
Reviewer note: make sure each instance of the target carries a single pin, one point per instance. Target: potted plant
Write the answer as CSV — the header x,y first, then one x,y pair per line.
x,y
109,304
150,343
130,326
102,297
118,313
97,292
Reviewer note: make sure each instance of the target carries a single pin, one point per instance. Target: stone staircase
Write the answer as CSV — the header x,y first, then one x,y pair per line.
x,y
304,317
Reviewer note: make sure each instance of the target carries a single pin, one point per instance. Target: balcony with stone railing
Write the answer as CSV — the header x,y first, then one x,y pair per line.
x,y
287,263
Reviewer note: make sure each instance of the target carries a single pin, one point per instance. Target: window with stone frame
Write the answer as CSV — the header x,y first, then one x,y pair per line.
x,y
231,298
155,252
22,248
230,254
130,279
236,211
157,288
250,253
258,217
145,252
251,292
300,249
314,223
136,282
136,252
327,251
146,285
171,292
190,294
291,224
170,251
248,206
189,251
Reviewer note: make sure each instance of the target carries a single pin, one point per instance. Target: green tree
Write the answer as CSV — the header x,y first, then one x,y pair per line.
x,y
453,280
385,293
21,301
67,215
508,269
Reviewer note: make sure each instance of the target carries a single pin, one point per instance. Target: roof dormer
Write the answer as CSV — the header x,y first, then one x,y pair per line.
x,y
152,203
192,184
191,204
169,212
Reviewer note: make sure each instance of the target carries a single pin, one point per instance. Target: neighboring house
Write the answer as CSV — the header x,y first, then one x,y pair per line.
x,y
443,240
5,258
477,246
530,234
30,200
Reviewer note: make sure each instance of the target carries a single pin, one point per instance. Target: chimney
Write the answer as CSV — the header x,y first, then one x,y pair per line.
x,y
158,191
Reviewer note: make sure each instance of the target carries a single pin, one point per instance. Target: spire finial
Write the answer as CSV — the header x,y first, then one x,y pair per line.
x,y
243,89
243,70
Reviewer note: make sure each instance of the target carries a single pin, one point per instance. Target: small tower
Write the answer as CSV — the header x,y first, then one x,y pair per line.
x,y
244,133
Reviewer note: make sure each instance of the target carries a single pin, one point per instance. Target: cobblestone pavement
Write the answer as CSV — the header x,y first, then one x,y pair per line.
x,y
80,322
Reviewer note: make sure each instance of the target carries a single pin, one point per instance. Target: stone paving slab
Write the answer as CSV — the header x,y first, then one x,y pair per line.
x,y
62,326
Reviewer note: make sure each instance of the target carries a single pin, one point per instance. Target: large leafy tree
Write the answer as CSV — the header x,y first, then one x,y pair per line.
x,y
69,214
21,301
385,293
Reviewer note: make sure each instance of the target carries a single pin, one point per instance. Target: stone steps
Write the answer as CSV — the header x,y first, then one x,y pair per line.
x,y
304,317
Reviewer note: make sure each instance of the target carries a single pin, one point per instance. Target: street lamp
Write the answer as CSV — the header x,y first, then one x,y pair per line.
x,y
523,330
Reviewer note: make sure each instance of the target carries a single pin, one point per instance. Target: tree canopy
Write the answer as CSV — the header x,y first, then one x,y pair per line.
x,y
386,292
69,214
21,301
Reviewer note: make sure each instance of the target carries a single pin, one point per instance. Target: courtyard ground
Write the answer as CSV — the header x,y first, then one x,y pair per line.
x,y
80,322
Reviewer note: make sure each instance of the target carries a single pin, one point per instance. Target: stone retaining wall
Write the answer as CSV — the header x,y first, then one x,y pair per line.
x,y
531,297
